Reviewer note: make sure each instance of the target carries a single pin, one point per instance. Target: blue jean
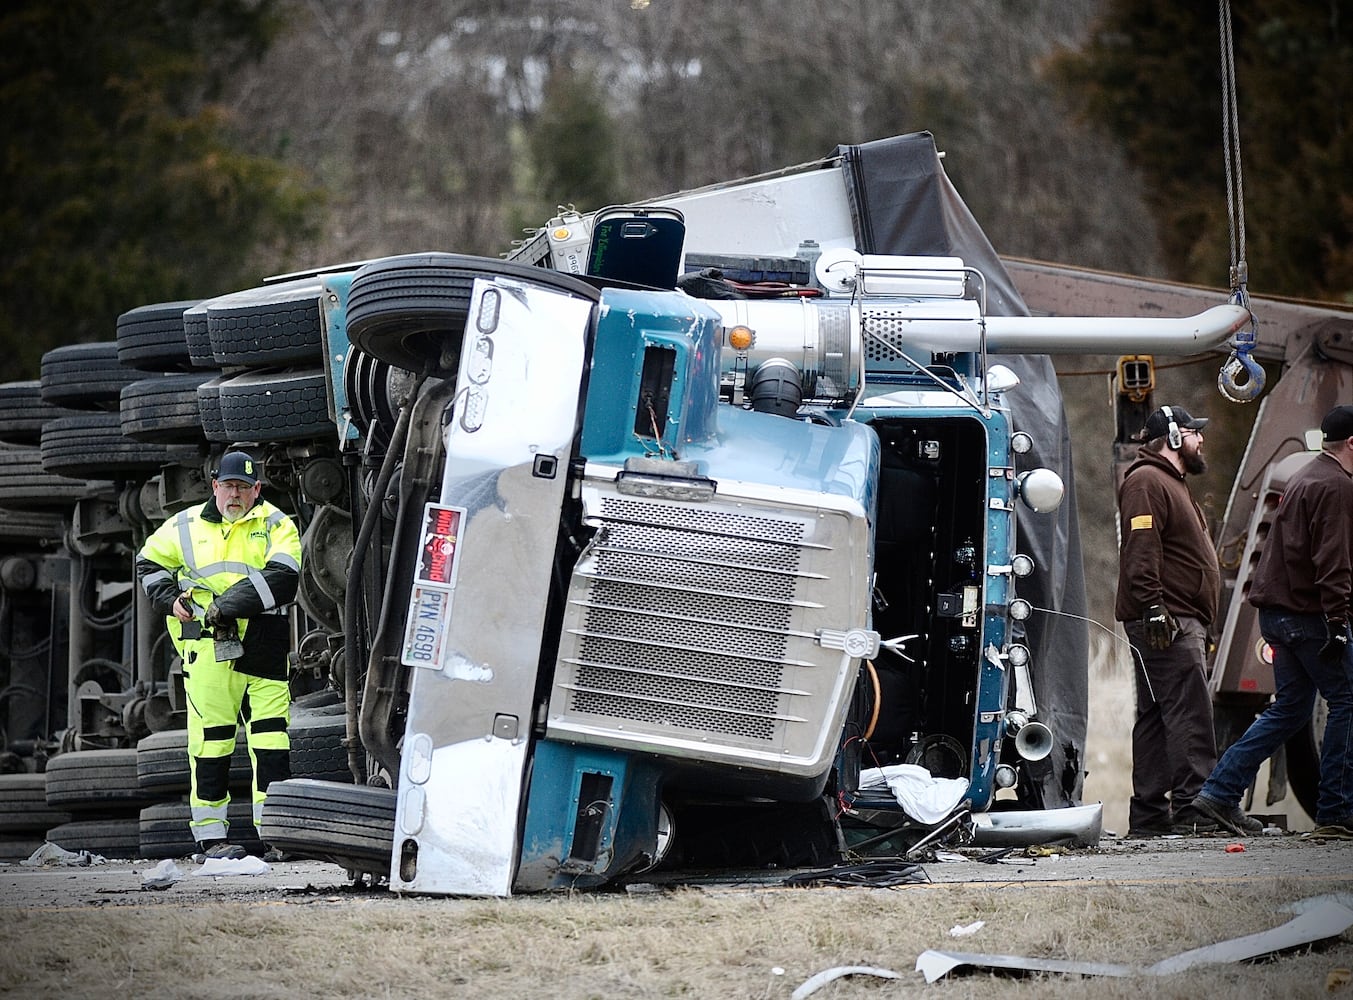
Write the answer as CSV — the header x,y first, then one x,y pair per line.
x,y
1298,673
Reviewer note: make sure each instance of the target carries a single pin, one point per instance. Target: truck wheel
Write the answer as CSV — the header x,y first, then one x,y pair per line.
x,y
94,779
197,338
22,412
164,409
162,763
151,338
23,805
317,749
165,832
209,408
113,838
271,325
350,825
276,406
84,376
26,485
92,446
1303,758
410,310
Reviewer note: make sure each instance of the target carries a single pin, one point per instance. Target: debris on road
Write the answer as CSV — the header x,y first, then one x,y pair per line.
x,y
50,855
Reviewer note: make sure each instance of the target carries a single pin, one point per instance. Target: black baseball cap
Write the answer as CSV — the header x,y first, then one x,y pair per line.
x,y
1338,424
1158,424
237,465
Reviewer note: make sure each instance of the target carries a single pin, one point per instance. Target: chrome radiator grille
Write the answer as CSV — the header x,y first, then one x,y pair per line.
x,y
691,629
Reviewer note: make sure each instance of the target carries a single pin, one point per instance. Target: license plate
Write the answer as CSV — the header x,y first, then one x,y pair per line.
x,y
425,631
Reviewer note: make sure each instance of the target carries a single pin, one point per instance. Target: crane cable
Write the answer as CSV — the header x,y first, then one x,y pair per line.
x,y
1246,340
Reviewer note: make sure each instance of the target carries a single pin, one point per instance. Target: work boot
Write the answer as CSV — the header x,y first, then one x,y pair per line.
x,y
1191,821
1342,830
1146,831
1232,818
220,850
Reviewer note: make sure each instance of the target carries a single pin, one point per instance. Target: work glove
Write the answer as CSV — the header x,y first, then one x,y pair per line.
x,y
1336,641
1159,626
213,616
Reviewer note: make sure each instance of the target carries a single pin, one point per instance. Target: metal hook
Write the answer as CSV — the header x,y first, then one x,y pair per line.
x,y
1254,378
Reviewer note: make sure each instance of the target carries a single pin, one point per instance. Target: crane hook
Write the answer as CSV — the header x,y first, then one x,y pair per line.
x,y
1240,361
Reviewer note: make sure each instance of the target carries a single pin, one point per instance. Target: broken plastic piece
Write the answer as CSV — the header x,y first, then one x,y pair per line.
x,y
241,866
815,983
162,876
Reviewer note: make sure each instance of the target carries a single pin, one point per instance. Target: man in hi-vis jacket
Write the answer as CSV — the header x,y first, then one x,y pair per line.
x,y
223,574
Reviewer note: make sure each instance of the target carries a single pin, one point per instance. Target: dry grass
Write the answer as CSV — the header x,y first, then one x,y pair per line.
x,y
690,943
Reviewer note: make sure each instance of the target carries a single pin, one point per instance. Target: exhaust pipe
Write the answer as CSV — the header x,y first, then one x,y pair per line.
x,y
1033,740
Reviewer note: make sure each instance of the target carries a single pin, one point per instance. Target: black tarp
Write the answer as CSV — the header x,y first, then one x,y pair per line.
x,y
902,202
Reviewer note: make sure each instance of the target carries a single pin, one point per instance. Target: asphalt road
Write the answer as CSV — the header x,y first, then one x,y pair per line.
x,y
1193,860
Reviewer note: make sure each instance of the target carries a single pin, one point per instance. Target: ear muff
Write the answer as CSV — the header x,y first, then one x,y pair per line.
x,y
1173,436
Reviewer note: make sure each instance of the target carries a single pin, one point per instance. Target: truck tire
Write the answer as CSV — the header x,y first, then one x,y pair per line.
x,y
273,325
23,805
162,764
165,833
151,338
95,779
410,310
276,406
41,527
1303,758
92,446
84,376
164,409
197,338
350,825
119,839
209,409
22,412
26,485
317,749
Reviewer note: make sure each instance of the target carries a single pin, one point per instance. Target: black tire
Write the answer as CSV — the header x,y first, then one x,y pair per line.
x,y
42,528
118,839
162,764
23,805
350,825
92,446
26,485
164,409
151,338
209,409
1303,758
274,325
410,310
276,406
95,779
16,847
196,336
85,376
317,749
22,412
165,832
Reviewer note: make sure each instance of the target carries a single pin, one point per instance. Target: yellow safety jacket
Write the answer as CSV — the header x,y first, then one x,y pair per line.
x,y
249,568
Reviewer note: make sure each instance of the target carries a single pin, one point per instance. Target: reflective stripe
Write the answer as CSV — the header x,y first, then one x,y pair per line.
x,y
262,588
152,578
209,828
185,526
1140,522
285,559
226,566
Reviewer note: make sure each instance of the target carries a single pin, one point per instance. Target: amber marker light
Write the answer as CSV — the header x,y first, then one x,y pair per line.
x,y
562,233
740,338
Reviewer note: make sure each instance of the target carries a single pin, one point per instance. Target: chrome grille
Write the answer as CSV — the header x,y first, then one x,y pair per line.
x,y
693,624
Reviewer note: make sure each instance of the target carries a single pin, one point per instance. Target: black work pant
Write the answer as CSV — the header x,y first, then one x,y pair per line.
x,y
1174,747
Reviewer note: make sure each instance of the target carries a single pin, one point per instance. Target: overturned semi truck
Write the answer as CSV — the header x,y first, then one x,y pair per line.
x,y
722,530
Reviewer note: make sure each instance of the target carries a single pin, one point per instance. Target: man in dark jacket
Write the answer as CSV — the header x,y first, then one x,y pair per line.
x,y
1168,589
1303,588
